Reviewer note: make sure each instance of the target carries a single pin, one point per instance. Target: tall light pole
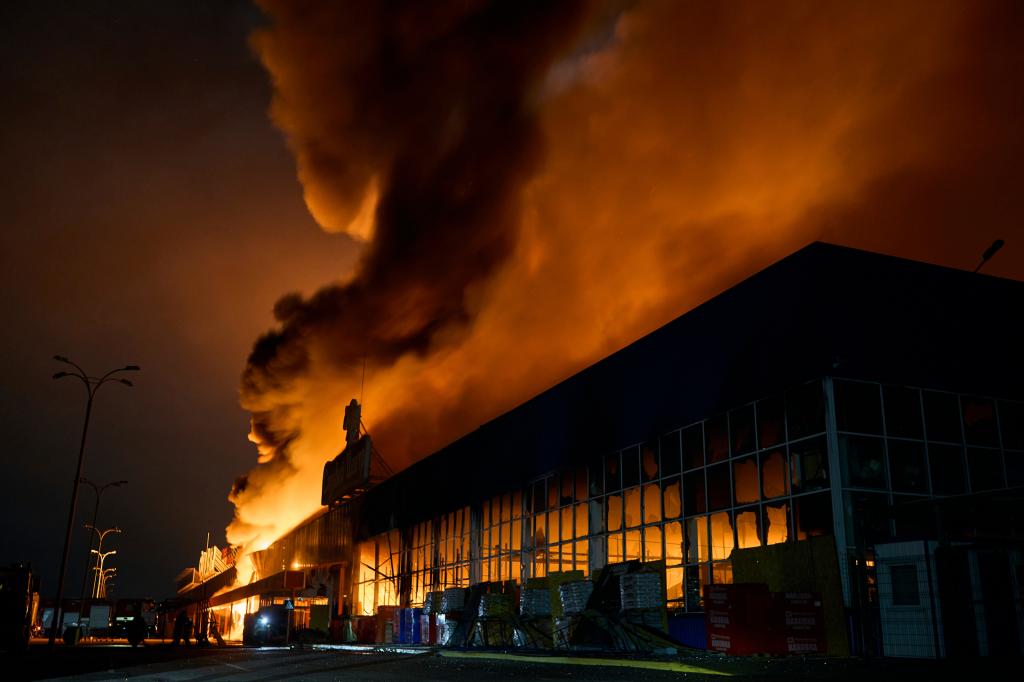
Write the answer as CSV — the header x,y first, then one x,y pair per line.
x,y
100,555
92,385
95,513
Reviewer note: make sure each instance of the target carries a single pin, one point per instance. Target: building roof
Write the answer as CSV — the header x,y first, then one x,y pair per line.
x,y
823,310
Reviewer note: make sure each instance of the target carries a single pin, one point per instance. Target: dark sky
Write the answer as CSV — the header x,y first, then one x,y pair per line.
x,y
150,215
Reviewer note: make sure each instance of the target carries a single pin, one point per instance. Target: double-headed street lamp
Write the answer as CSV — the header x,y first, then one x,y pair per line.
x,y
105,575
98,489
101,572
100,556
92,385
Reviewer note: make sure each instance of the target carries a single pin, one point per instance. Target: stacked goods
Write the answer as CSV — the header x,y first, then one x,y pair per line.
x,y
453,600
535,603
494,625
495,605
445,629
429,616
386,625
535,624
432,603
738,618
641,591
574,596
552,581
410,626
803,622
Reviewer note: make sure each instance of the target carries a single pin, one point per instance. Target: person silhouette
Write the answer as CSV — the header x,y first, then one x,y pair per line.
x,y
181,626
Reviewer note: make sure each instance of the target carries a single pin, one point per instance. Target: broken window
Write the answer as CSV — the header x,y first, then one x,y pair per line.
x,y
652,503
776,523
582,520
633,545
673,543
773,473
674,584
748,528
722,541
632,505
652,543
697,539
615,554
673,498
614,508
744,480
808,460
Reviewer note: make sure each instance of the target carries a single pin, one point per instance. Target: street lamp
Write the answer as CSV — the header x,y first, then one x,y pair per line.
x,y
95,513
105,575
100,555
100,571
92,385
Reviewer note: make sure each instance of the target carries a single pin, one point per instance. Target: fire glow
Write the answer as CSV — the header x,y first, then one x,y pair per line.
x,y
527,213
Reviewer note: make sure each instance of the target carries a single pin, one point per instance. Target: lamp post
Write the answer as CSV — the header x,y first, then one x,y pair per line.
x,y
95,513
105,574
100,571
92,385
100,555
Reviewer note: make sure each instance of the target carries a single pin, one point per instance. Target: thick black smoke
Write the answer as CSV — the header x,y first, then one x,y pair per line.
x,y
429,106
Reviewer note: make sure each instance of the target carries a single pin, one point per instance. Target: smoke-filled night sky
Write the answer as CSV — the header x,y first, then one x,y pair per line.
x,y
475,199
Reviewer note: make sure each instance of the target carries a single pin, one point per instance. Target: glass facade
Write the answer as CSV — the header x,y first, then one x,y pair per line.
x,y
900,445
756,475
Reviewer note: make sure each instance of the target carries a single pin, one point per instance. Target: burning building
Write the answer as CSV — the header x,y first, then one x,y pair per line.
x,y
864,408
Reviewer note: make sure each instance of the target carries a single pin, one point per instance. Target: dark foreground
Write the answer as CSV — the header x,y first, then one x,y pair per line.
x,y
161,662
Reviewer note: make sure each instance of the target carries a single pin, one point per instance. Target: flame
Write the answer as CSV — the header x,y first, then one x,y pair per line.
x,y
688,145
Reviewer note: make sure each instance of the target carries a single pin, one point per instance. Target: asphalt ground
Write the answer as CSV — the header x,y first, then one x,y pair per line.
x,y
163,662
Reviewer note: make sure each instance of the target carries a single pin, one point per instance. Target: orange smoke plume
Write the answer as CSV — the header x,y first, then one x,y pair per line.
x,y
539,184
